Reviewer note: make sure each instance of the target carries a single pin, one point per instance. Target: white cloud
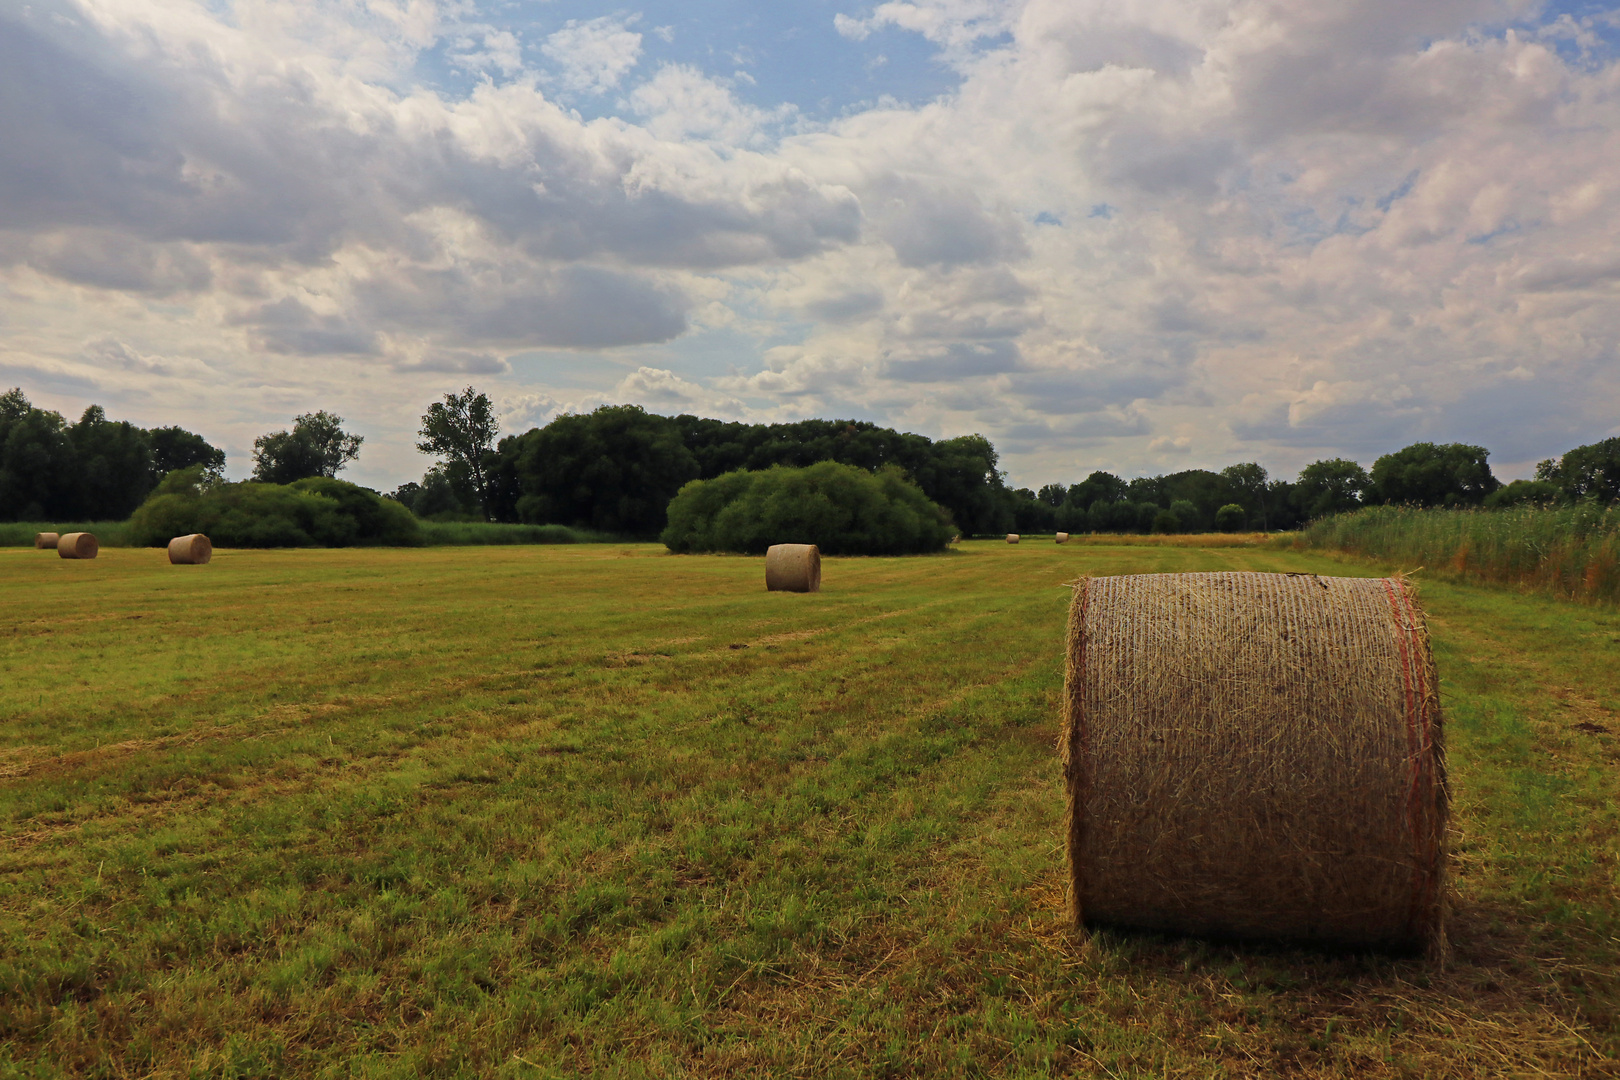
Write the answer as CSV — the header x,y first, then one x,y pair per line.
x,y
1269,231
593,55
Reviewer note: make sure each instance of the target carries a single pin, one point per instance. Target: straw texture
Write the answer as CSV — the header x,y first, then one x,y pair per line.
x,y
1062,538
45,541
1012,538
793,568
193,549
80,545
1255,756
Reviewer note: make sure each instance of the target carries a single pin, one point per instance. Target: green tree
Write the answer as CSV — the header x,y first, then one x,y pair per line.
x,y
1539,492
176,448
1431,474
1247,484
37,465
462,429
1586,472
1329,487
112,466
1230,518
317,445
614,470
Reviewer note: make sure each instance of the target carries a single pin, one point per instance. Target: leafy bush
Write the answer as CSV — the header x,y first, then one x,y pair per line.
x,y
314,512
841,509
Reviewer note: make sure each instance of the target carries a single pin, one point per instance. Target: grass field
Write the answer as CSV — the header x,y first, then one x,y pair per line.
x,y
592,809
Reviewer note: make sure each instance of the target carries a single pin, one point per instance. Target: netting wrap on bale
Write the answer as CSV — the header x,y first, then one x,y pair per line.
x,y
46,541
793,568
79,545
1255,756
193,549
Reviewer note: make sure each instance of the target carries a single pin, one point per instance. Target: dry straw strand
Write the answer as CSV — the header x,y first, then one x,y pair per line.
x,y
193,549
77,545
793,568
46,541
1255,756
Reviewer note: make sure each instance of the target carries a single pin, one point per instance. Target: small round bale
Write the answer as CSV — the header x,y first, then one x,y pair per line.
x,y
1063,538
1255,756
1012,538
193,549
79,545
46,541
793,568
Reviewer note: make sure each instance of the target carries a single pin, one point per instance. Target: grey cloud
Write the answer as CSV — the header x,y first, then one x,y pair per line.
x,y
456,362
571,307
933,224
846,306
289,326
1569,274
960,360
1088,391
112,260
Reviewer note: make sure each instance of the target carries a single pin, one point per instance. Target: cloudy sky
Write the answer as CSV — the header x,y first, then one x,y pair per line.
x,y
1138,235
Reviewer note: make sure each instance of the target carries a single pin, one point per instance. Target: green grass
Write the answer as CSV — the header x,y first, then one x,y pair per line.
x,y
21,533
433,533
595,809
1568,551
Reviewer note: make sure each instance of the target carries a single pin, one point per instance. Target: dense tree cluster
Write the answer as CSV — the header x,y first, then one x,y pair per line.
x,y
617,468
93,470
315,511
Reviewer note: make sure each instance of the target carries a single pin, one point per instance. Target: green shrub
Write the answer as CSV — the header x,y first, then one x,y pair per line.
x,y
841,509
315,512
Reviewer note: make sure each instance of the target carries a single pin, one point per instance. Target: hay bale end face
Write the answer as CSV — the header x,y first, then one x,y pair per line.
x,y
1063,538
1255,756
1012,538
46,541
193,549
793,568
79,545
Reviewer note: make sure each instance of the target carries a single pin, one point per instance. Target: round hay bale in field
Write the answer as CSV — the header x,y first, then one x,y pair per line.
x,y
1012,538
193,549
1062,538
45,541
1255,756
793,568
80,545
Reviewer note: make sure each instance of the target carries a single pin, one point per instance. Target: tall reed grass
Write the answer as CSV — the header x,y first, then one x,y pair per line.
x,y
1570,551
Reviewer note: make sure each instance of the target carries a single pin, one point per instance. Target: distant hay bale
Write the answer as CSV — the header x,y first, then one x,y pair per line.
x,y
79,545
1012,538
193,549
1255,756
45,541
793,568
1063,538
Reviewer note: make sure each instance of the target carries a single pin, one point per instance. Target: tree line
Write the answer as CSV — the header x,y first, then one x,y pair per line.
x,y
616,469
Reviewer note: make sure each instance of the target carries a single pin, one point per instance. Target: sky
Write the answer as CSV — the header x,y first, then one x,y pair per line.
x,y
1133,235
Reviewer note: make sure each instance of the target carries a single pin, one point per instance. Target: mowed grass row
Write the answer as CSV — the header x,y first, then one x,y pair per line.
x,y
600,810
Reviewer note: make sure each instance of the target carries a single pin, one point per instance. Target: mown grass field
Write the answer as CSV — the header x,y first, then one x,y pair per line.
x,y
598,810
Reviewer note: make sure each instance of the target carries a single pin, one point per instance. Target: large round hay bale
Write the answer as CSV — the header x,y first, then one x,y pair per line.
x,y
793,568
1255,756
1012,538
79,545
45,541
193,549
1062,538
